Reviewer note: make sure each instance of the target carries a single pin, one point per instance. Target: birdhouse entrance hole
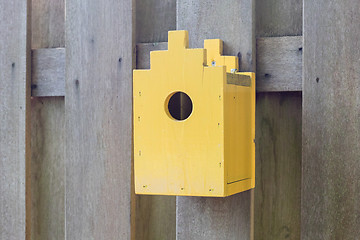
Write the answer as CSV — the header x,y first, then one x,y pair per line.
x,y
179,106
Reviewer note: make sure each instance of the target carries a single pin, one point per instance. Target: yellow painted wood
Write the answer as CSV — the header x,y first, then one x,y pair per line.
x,y
210,153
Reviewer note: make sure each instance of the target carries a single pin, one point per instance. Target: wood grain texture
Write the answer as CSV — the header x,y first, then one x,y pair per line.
x,y
48,120
14,119
278,166
48,165
276,18
234,22
331,120
48,72
155,217
48,23
277,190
214,218
279,64
100,52
154,18
231,21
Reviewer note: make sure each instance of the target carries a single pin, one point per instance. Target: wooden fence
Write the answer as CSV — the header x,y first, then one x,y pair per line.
x,y
66,119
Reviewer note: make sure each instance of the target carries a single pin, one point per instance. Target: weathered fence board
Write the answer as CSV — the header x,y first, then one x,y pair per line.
x,y
231,217
276,18
278,126
154,18
331,120
278,166
14,118
48,72
155,217
48,168
98,111
48,23
48,121
279,66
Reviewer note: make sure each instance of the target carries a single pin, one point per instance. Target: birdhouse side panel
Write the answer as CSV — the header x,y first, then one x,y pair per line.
x,y
239,114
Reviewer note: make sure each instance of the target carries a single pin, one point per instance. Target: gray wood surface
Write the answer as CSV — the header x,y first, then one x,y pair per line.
x,y
100,50
154,18
278,166
279,64
48,120
48,168
277,18
214,218
48,23
234,23
331,120
155,217
278,143
48,72
14,119
231,21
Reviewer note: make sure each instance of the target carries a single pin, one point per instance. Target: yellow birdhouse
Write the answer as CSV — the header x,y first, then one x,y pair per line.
x,y
194,122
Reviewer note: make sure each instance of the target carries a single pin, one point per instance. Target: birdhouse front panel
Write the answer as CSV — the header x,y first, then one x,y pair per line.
x,y
193,122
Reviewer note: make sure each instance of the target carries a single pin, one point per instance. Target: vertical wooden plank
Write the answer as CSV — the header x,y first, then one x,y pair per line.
x,y
154,18
98,111
278,166
48,168
331,120
278,136
155,217
48,23
276,18
233,22
47,135
14,118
